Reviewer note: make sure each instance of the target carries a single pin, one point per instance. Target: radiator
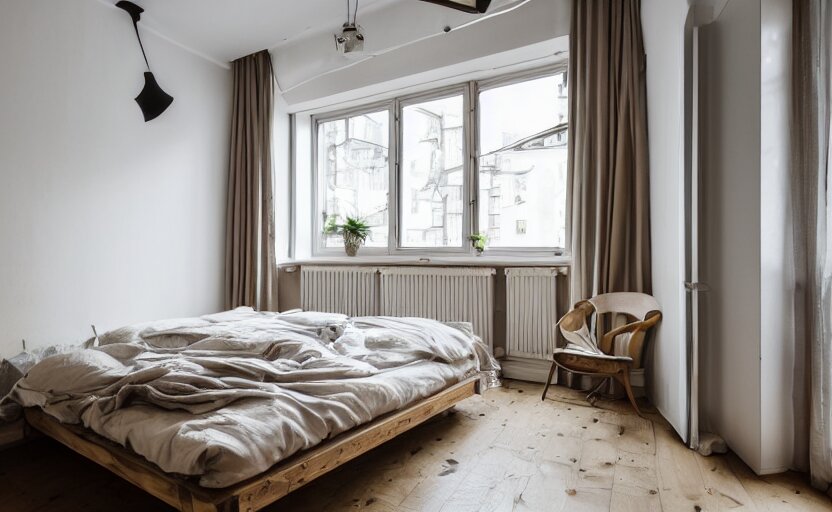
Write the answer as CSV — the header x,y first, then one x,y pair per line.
x,y
446,294
352,291
531,312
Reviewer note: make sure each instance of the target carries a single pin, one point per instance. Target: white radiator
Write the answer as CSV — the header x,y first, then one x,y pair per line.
x,y
531,312
352,291
446,294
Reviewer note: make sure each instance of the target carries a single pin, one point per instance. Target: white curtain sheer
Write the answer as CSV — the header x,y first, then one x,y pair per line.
x,y
811,199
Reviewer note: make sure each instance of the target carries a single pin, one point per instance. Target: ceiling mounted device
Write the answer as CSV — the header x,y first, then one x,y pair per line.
x,y
350,41
152,100
472,6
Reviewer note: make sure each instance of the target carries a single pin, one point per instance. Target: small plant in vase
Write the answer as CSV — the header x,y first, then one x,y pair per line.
x,y
355,232
478,240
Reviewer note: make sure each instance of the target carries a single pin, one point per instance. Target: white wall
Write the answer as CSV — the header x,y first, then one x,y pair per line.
x,y
104,219
663,24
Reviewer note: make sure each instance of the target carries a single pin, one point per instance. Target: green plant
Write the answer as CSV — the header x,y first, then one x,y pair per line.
x,y
478,240
356,228
331,226
355,232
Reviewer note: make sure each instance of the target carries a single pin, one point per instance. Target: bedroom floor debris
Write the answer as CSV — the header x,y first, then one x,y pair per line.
x,y
505,451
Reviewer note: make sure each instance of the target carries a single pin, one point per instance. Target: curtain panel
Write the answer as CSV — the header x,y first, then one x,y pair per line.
x,y
608,159
811,213
250,263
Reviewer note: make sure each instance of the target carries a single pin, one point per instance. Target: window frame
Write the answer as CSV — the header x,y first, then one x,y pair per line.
x,y
319,247
435,94
502,81
470,91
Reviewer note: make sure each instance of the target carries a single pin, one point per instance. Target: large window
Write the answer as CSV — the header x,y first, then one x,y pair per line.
x,y
427,171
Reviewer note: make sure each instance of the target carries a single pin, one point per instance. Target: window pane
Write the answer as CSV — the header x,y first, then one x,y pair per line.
x,y
522,163
432,174
354,173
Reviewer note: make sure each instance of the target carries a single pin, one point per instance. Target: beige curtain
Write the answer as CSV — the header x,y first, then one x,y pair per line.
x,y
250,264
812,216
608,162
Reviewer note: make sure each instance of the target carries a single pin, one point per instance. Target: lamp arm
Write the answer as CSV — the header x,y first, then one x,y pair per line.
x,y
135,13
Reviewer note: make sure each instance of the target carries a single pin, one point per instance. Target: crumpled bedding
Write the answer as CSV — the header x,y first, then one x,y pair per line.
x,y
224,397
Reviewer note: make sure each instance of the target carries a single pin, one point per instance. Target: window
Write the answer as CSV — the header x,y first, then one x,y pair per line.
x,y
354,173
432,177
522,163
426,171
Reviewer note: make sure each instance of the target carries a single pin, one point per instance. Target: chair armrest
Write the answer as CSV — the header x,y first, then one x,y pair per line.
x,y
610,336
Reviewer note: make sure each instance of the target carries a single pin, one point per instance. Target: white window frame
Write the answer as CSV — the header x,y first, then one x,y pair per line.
x,y
501,81
319,247
402,102
470,91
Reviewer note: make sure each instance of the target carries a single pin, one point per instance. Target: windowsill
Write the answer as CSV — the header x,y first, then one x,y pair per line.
x,y
485,260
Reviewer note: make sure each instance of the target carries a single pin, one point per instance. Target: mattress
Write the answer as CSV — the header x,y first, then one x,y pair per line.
x,y
224,397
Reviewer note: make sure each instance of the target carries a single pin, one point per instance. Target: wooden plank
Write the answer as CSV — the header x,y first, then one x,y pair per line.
x,y
681,486
132,468
285,478
261,490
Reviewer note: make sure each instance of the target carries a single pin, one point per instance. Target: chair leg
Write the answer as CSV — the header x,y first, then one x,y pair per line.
x,y
548,381
590,397
624,379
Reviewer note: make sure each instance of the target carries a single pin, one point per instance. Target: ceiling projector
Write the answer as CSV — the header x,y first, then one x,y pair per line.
x,y
350,40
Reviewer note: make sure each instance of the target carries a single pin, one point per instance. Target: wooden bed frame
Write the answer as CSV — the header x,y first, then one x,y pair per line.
x,y
261,490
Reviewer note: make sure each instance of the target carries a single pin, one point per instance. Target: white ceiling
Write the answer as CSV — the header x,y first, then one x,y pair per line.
x,y
224,30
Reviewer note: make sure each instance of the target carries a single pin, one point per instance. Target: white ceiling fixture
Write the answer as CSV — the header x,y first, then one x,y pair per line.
x,y
350,41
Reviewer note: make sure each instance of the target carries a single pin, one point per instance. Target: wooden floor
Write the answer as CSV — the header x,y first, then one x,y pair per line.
x,y
504,451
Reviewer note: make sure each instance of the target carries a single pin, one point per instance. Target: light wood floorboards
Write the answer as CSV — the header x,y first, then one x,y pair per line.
x,y
504,451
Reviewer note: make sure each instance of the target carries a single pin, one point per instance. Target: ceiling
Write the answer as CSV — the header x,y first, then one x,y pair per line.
x,y
224,30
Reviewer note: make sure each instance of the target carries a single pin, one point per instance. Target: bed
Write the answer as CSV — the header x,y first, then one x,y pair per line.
x,y
235,410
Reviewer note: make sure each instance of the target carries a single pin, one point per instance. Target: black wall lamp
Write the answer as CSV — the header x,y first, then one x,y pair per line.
x,y
152,100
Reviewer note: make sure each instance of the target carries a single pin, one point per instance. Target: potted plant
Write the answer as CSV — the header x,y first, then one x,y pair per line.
x,y
478,240
355,232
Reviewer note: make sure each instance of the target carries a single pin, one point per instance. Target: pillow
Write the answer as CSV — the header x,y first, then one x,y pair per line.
x,y
315,319
75,372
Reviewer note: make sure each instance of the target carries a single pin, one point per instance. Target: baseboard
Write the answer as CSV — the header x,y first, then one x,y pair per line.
x,y
531,370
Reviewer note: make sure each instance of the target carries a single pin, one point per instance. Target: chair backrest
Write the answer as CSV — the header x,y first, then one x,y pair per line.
x,y
637,305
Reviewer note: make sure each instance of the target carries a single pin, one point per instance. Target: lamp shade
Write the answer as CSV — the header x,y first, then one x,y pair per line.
x,y
152,100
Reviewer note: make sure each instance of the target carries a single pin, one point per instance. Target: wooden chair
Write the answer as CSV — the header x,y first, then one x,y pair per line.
x,y
620,349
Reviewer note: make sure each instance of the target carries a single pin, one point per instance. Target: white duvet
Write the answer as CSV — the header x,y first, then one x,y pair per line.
x,y
224,397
